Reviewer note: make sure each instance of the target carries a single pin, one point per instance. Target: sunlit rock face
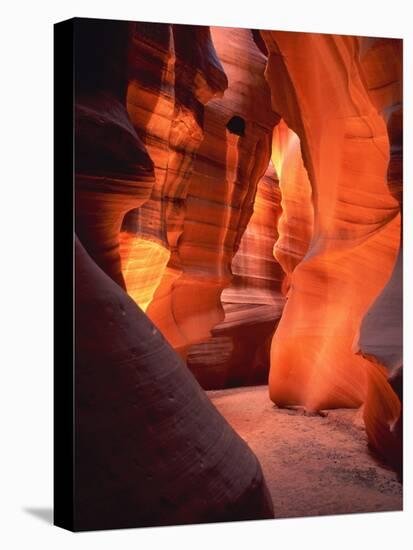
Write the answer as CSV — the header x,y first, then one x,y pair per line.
x,y
319,89
151,449
245,189
233,156
114,171
295,226
381,68
168,84
238,351
381,331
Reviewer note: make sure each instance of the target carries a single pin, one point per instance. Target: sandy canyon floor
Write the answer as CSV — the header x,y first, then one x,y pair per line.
x,y
313,465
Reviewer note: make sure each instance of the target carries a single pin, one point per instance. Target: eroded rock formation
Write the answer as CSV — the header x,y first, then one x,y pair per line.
x,y
319,89
169,85
381,332
151,449
113,170
231,159
237,354
295,227
178,203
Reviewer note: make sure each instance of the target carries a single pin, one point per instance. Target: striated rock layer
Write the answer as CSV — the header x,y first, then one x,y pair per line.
x,y
381,68
113,170
381,332
237,353
169,84
318,88
151,449
295,227
177,201
231,159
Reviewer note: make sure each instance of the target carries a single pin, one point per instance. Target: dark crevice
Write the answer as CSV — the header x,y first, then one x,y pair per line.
x,y
236,125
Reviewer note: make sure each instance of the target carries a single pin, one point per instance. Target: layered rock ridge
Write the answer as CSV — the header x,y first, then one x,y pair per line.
x,y
113,170
169,83
381,331
319,88
150,447
231,159
237,354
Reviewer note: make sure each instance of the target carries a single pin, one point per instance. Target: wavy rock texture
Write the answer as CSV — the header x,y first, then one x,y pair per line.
x,y
317,88
177,203
114,172
381,67
295,227
237,354
169,83
381,332
230,161
151,449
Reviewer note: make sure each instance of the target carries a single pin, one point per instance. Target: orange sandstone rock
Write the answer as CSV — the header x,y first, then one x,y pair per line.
x,y
295,227
232,157
169,82
317,88
239,349
113,171
381,331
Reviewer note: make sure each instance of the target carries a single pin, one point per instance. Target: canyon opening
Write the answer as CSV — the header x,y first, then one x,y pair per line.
x,y
238,270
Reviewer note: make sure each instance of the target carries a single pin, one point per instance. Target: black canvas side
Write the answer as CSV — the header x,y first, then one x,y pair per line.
x,y
63,276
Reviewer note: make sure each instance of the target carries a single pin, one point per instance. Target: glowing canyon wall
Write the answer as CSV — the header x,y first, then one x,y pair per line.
x,y
325,89
244,187
238,352
169,83
114,172
209,149
150,447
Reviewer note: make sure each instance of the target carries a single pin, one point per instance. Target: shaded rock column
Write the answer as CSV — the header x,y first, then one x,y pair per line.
x,y
151,449
230,161
174,71
381,331
238,352
113,171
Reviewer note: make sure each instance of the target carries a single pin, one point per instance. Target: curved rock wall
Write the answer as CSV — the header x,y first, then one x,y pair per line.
x,y
177,202
318,88
382,71
381,332
231,159
295,227
151,449
113,170
168,84
237,354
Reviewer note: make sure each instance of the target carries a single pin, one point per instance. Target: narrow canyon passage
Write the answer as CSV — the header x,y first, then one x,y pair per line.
x,y
239,331
313,465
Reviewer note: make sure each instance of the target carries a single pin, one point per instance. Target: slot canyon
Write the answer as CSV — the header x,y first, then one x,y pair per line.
x,y
238,270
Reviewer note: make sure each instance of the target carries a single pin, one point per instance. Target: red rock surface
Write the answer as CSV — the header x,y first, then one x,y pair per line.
x,y
221,192
113,170
169,84
238,351
318,86
238,261
296,224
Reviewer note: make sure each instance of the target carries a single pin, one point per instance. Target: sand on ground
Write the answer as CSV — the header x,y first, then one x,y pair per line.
x,y
313,465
